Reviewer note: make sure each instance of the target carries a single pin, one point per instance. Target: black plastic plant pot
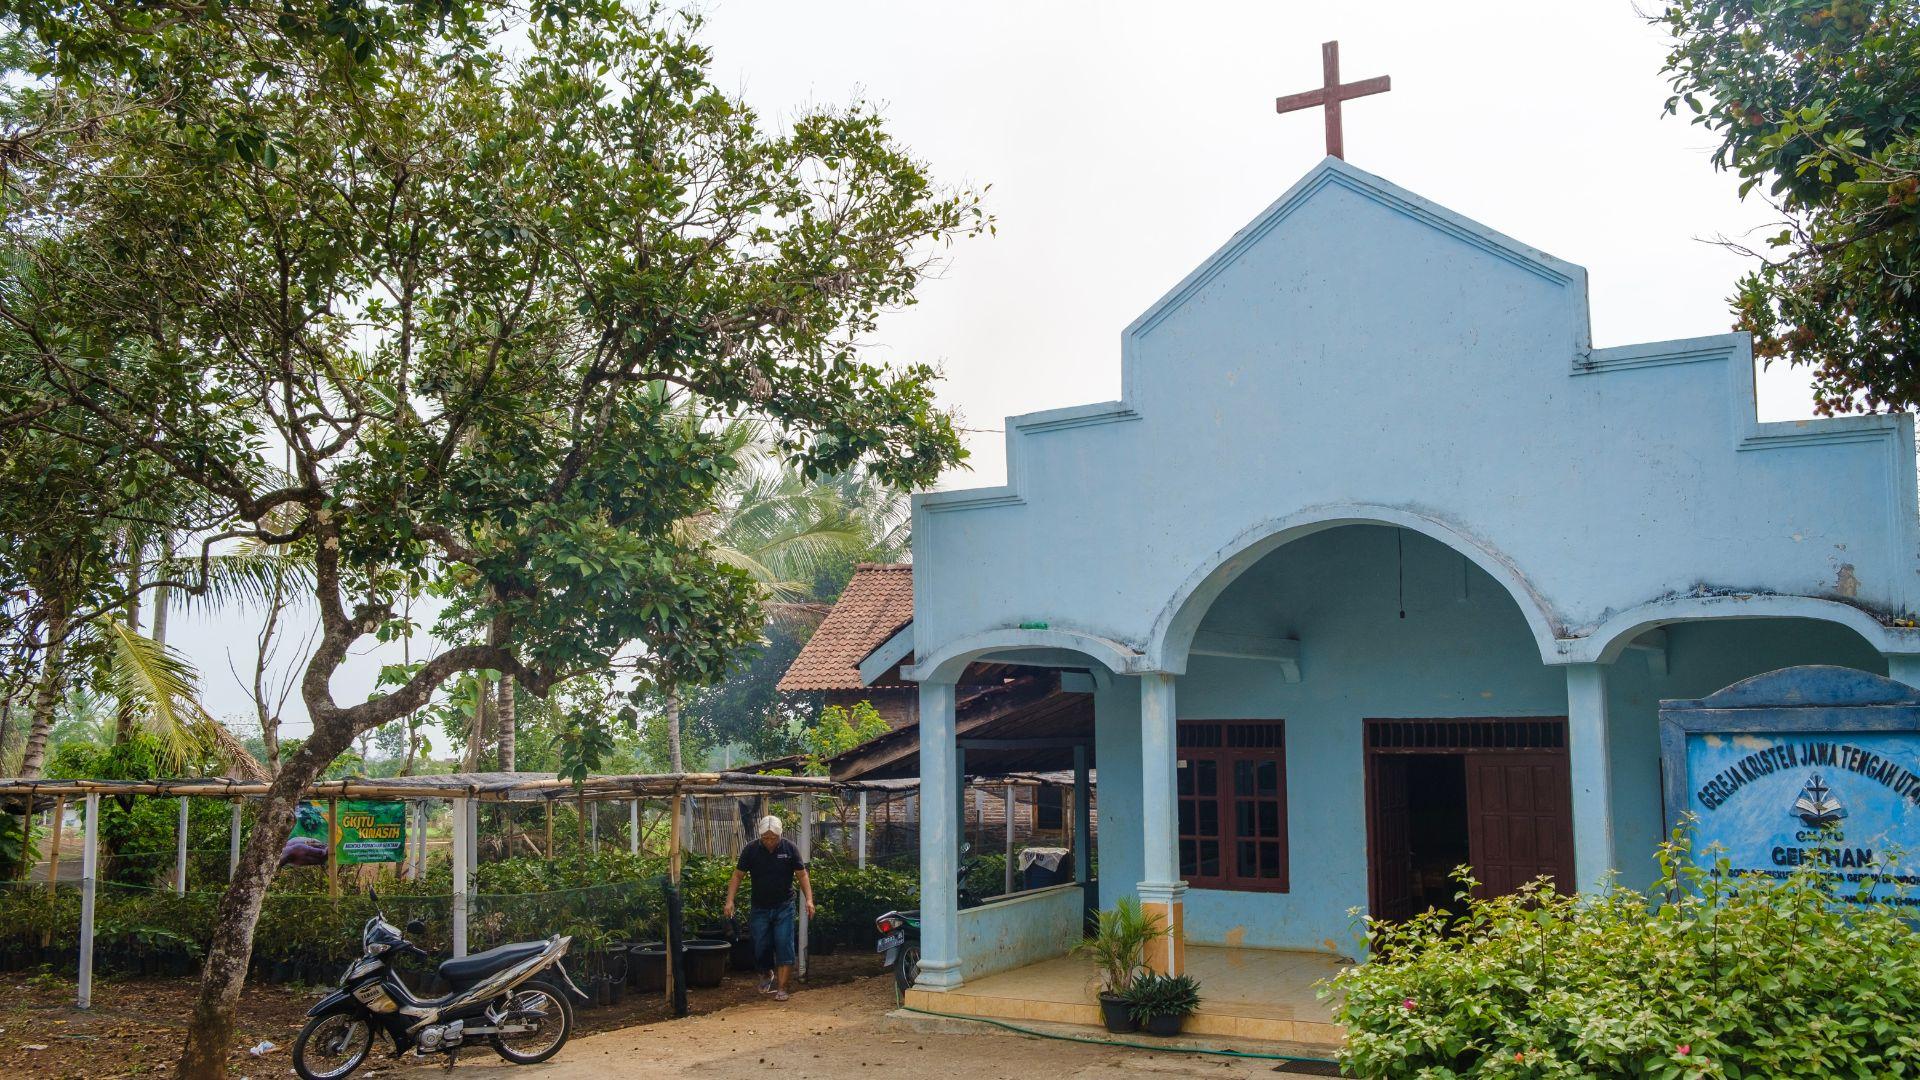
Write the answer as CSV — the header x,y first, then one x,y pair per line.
x,y
1117,1014
743,953
707,961
1164,1024
647,967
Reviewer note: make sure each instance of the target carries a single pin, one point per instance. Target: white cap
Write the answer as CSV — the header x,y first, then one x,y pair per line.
x,y
770,824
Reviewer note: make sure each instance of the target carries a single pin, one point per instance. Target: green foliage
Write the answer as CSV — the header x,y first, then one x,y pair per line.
x,y
1154,995
138,833
1704,975
1119,944
987,874
840,729
1818,100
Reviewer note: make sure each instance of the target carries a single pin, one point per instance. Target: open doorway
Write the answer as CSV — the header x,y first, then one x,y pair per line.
x,y
1494,795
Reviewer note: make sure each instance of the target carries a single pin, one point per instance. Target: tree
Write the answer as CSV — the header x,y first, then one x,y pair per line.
x,y
462,295
1819,100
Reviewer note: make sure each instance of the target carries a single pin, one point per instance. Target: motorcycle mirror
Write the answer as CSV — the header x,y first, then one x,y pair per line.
x,y
966,847
416,927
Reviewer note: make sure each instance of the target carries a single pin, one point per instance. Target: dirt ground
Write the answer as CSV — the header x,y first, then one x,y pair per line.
x,y
834,1027
135,1026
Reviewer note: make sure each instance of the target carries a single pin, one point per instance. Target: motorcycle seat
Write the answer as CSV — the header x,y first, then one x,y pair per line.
x,y
471,969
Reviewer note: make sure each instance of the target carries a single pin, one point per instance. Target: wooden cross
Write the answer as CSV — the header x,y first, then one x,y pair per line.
x,y
1331,93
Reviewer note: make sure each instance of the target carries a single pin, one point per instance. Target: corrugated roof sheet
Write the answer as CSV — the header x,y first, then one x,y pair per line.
x,y
875,605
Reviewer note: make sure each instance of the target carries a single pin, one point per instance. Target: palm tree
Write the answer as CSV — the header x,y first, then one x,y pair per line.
x,y
785,531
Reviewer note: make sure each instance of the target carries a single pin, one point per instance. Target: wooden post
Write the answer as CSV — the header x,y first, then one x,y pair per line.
x,y
89,869
233,840
1082,816
549,829
580,820
594,829
806,853
462,839
180,850
53,845
633,826
333,847
860,845
1007,799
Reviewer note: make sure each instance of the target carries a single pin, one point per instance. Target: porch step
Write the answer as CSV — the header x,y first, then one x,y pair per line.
x,y
1214,1021
1290,1057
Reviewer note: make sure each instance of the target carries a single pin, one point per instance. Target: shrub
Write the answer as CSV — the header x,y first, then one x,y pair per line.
x,y
1704,975
1162,995
1119,944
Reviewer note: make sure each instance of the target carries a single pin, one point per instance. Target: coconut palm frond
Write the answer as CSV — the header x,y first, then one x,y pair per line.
x,y
160,686
247,575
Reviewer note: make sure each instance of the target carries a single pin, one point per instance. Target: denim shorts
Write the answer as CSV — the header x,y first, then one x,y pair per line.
x,y
772,937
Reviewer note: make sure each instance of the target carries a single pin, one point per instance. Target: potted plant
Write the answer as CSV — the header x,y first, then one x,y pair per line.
x,y
1161,1003
1118,950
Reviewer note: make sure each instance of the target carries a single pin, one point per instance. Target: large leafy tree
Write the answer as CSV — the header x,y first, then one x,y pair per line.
x,y
425,309
1817,105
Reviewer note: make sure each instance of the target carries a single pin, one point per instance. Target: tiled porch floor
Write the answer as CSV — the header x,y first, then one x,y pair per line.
x,y
1247,993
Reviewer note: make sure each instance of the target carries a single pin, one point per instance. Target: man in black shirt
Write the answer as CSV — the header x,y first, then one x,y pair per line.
x,y
774,864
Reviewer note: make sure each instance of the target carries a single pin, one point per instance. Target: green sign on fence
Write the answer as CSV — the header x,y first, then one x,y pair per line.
x,y
369,831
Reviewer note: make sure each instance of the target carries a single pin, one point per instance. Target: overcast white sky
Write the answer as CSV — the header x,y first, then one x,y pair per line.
x,y
1125,141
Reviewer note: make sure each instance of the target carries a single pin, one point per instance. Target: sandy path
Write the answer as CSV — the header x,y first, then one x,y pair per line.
x,y
834,1033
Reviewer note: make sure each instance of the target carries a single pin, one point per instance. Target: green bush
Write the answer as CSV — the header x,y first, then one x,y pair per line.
x,y
1704,975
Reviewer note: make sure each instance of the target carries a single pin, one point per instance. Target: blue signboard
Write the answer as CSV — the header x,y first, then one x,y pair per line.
x,y
1807,767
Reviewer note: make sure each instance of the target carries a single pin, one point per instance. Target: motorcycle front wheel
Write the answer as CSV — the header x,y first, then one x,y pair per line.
x,y
549,1019
332,1045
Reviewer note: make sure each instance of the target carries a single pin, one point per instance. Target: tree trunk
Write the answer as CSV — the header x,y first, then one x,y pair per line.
x,y
47,695
161,599
210,1029
504,715
673,730
123,717
477,731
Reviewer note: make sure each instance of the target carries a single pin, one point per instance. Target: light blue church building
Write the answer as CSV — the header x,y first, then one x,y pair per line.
x,y
1379,565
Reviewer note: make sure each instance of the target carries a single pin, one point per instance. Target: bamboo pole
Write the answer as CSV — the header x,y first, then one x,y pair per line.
x,y
233,840
861,843
633,826
53,845
549,829
333,847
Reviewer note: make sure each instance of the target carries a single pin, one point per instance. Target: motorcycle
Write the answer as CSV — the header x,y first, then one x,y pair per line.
x,y
900,935
512,998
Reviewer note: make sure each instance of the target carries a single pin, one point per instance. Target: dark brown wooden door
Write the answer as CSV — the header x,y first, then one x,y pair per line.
x,y
1389,838
1519,820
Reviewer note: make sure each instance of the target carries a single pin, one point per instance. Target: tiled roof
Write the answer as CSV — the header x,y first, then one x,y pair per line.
x,y
877,602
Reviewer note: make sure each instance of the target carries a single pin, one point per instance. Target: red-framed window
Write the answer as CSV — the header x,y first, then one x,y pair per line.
x,y
1233,804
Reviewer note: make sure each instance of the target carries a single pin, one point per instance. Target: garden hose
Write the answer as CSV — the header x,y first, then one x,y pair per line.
x,y
1122,1042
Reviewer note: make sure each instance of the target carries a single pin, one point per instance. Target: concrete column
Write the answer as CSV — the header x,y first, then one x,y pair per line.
x,y
860,844
1162,893
1903,667
89,871
462,845
1007,799
1082,816
180,850
940,820
233,840
1590,764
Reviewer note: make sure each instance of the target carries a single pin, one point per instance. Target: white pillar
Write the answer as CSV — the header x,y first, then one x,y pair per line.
x,y
1082,816
806,855
89,869
1590,766
1903,668
1162,893
940,820
633,826
233,840
1007,800
180,850
462,844
860,844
